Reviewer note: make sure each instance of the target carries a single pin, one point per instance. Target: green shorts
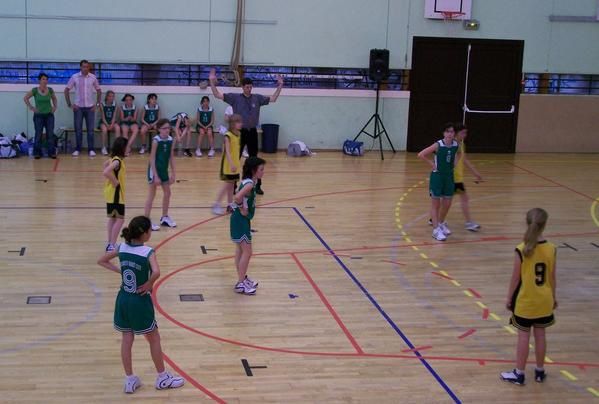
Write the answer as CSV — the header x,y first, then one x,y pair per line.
x,y
240,228
441,185
134,313
162,174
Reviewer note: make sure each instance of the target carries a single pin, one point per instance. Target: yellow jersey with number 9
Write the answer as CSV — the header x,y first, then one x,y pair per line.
x,y
533,297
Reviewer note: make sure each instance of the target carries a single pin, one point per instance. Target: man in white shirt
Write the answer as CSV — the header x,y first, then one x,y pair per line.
x,y
85,84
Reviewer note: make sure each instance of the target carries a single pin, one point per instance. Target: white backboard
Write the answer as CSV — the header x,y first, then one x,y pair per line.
x,y
433,8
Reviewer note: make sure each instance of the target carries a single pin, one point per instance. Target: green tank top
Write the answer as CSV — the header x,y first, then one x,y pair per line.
x,y
127,112
445,157
109,111
43,102
135,266
151,114
250,200
163,152
205,116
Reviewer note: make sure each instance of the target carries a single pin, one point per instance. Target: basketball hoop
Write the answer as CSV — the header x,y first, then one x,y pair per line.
x,y
452,15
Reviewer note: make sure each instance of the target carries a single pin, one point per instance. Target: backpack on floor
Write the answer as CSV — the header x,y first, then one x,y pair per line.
x,y
353,148
8,150
298,149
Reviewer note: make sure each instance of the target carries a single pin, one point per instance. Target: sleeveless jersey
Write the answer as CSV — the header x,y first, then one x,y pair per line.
x,y
533,297
205,116
112,194
127,112
458,171
249,200
163,153
445,157
135,266
234,143
151,114
108,111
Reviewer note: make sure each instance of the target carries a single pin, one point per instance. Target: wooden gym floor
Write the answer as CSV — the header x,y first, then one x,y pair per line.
x,y
356,303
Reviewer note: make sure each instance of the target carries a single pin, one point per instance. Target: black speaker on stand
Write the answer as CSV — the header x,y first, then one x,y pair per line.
x,y
378,71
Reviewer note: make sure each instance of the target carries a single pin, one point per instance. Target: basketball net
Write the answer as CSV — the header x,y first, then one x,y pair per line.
x,y
452,21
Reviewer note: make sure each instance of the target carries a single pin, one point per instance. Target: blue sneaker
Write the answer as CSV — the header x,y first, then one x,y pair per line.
x,y
513,377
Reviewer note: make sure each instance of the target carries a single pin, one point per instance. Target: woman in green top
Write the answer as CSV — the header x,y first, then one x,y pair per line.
x,y
43,115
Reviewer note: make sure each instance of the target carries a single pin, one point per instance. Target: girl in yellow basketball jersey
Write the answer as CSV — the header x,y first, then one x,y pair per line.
x,y
114,190
531,295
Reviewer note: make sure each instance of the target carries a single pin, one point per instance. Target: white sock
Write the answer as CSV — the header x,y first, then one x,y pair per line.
x,y
130,378
162,374
540,369
519,372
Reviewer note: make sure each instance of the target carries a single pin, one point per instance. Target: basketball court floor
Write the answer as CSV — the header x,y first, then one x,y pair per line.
x,y
356,303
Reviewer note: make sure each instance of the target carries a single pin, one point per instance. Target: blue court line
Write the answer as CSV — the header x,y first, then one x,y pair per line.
x,y
380,309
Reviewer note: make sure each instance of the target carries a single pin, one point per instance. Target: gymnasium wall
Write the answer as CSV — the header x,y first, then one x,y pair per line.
x,y
334,33
558,123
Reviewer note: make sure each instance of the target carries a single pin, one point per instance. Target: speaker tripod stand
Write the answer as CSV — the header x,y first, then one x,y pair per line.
x,y
379,127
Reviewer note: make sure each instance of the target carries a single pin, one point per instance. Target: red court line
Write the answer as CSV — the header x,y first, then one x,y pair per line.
x,y
485,314
552,181
419,348
393,262
55,169
467,333
442,276
192,380
326,354
326,302
475,293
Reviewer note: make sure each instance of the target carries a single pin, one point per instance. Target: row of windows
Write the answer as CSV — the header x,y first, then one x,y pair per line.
x,y
265,76
546,83
192,75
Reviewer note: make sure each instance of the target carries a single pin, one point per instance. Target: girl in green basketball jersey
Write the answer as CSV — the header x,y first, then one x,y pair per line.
x,y
134,311
161,158
108,121
244,206
441,186
129,119
205,123
149,118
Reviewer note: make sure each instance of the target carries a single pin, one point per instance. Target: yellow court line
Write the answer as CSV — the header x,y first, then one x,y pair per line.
x,y
548,360
593,209
481,305
456,283
409,240
433,264
400,226
401,199
495,316
403,233
568,375
509,329
415,248
423,255
444,273
593,391
467,293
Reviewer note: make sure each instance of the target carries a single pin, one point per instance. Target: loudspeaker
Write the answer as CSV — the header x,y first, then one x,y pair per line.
x,y
379,64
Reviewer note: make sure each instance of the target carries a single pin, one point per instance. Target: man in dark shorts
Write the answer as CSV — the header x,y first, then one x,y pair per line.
x,y
248,106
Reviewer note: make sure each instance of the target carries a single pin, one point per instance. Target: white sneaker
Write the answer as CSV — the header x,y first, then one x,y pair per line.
x,y
472,226
217,209
250,283
211,153
167,221
242,287
198,152
444,228
155,227
75,153
169,381
132,384
92,153
110,247
104,151
438,234
245,154
142,150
